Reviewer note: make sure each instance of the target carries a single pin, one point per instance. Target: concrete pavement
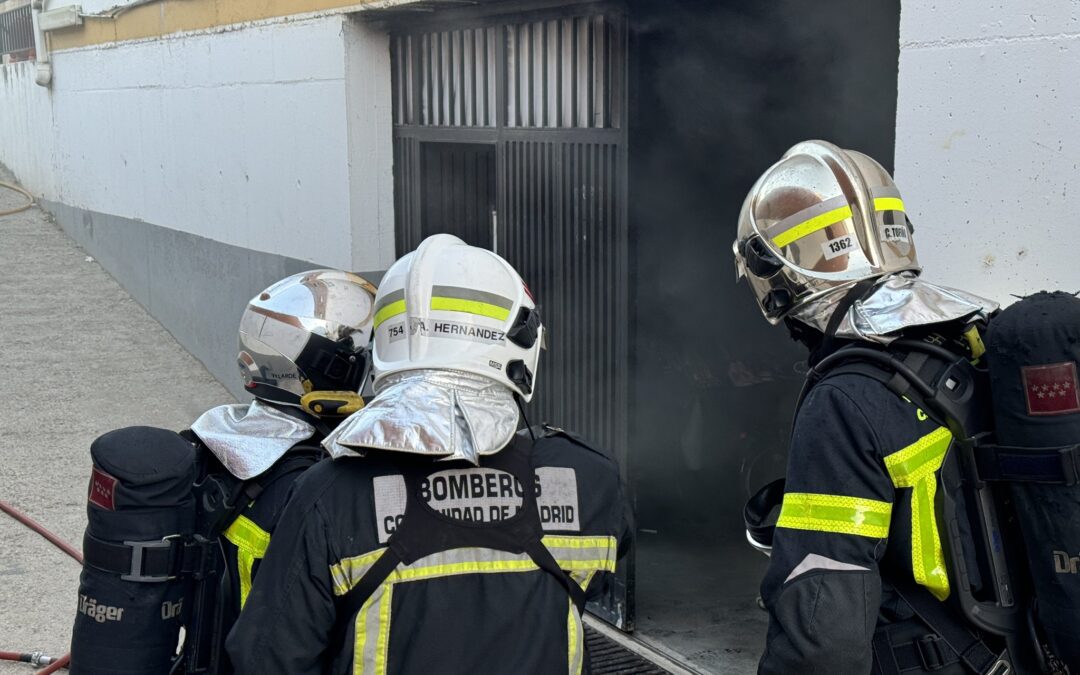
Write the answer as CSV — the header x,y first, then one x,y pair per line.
x,y
78,357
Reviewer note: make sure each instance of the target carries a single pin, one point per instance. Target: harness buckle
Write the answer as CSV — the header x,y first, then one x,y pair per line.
x,y
1001,667
933,652
138,555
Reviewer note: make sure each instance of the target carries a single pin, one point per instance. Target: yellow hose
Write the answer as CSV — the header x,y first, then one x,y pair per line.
x,y
16,188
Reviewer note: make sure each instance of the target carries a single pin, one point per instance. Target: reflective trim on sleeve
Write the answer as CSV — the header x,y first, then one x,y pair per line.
x,y
251,542
581,556
835,513
915,467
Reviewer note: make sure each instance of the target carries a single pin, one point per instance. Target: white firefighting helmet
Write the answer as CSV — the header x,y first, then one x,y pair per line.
x,y
448,305
821,219
305,341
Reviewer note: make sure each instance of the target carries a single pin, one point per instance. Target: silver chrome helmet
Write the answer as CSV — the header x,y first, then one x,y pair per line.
x,y
305,341
821,219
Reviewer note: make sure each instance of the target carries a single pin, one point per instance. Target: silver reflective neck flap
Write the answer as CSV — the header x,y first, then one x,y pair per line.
x,y
248,439
442,413
898,301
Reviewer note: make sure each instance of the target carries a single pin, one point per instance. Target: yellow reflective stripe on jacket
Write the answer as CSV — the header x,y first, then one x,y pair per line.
x,y
251,542
835,513
581,556
915,467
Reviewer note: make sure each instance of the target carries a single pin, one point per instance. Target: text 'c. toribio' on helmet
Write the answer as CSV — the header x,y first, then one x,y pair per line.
x,y
305,340
448,305
821,219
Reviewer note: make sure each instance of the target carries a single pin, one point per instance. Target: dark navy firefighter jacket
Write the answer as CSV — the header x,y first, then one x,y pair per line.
x,y
440,606
861,482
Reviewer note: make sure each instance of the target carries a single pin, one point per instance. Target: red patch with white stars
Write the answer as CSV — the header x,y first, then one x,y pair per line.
x,y
1051,389
102,490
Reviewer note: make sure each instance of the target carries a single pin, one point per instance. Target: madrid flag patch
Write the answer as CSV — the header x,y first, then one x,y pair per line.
x,y
103,490
1051,389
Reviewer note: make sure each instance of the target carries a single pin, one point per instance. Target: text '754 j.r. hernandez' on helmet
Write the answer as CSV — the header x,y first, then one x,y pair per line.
x,y
821,219
304,341
448,305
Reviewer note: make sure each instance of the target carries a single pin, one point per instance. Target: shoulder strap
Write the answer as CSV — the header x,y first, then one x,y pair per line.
x,y
421,533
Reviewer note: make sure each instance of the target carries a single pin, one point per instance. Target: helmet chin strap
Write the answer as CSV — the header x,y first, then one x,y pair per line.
x,y
829,342
521,408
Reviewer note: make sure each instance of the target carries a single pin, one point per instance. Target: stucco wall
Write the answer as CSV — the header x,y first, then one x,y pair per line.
x,y
988,141
198,168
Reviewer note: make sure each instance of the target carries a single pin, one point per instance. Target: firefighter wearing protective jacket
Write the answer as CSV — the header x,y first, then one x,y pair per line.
x,y
438,540
826,247
160,503
304,357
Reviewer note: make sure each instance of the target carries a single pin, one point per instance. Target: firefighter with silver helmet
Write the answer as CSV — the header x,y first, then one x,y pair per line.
x,y
440,539
874,565
304,357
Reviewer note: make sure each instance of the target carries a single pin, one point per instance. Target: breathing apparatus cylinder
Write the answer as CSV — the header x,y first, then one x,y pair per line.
x,y
1034,352
140,510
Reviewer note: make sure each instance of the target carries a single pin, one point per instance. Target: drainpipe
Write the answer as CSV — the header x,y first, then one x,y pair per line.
x,y
44,66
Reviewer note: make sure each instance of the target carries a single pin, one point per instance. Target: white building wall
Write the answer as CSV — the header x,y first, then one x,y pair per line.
x,y
988,141
239,136
27,141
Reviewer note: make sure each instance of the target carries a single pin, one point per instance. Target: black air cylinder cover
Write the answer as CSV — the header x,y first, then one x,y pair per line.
x,y
1034,355
140,491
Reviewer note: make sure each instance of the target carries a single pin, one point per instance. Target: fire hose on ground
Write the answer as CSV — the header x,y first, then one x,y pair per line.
x,y
21,207
37,658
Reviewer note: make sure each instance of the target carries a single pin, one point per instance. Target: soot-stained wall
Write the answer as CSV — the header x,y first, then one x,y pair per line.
x,y
719,90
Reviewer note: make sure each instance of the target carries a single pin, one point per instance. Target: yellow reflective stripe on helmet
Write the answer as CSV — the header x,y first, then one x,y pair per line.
x,y
389,311
915,467
835,513
469,307
251,542
888,204
812,225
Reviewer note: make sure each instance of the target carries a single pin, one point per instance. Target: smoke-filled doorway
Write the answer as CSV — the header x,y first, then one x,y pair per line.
x,y
626,136
719,91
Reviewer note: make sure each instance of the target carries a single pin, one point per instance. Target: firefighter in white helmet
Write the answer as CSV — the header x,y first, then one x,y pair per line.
x,y
440,539
859,580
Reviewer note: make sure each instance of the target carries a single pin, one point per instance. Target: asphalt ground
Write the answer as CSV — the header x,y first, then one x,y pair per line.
x,y
78,357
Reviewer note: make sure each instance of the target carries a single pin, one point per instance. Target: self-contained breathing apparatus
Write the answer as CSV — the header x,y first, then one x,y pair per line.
x,y
1009,479
162,504
158,504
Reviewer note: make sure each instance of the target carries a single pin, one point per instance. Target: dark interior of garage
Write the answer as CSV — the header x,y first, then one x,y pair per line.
x,y
718,91
604,149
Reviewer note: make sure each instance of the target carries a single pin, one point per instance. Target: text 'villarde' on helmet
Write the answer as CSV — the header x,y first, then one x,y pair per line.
x,y
821,219
305,341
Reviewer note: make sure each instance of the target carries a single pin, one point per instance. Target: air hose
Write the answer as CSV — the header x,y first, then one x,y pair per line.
x,y
37,658
23,207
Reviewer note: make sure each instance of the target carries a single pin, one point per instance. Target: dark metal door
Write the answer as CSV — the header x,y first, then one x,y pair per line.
x,y
458,191
548,92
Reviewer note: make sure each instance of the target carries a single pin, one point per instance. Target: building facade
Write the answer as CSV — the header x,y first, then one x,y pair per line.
x,y
201,149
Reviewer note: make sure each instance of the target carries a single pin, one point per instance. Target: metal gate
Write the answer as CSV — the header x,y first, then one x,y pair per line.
x,y
548,93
